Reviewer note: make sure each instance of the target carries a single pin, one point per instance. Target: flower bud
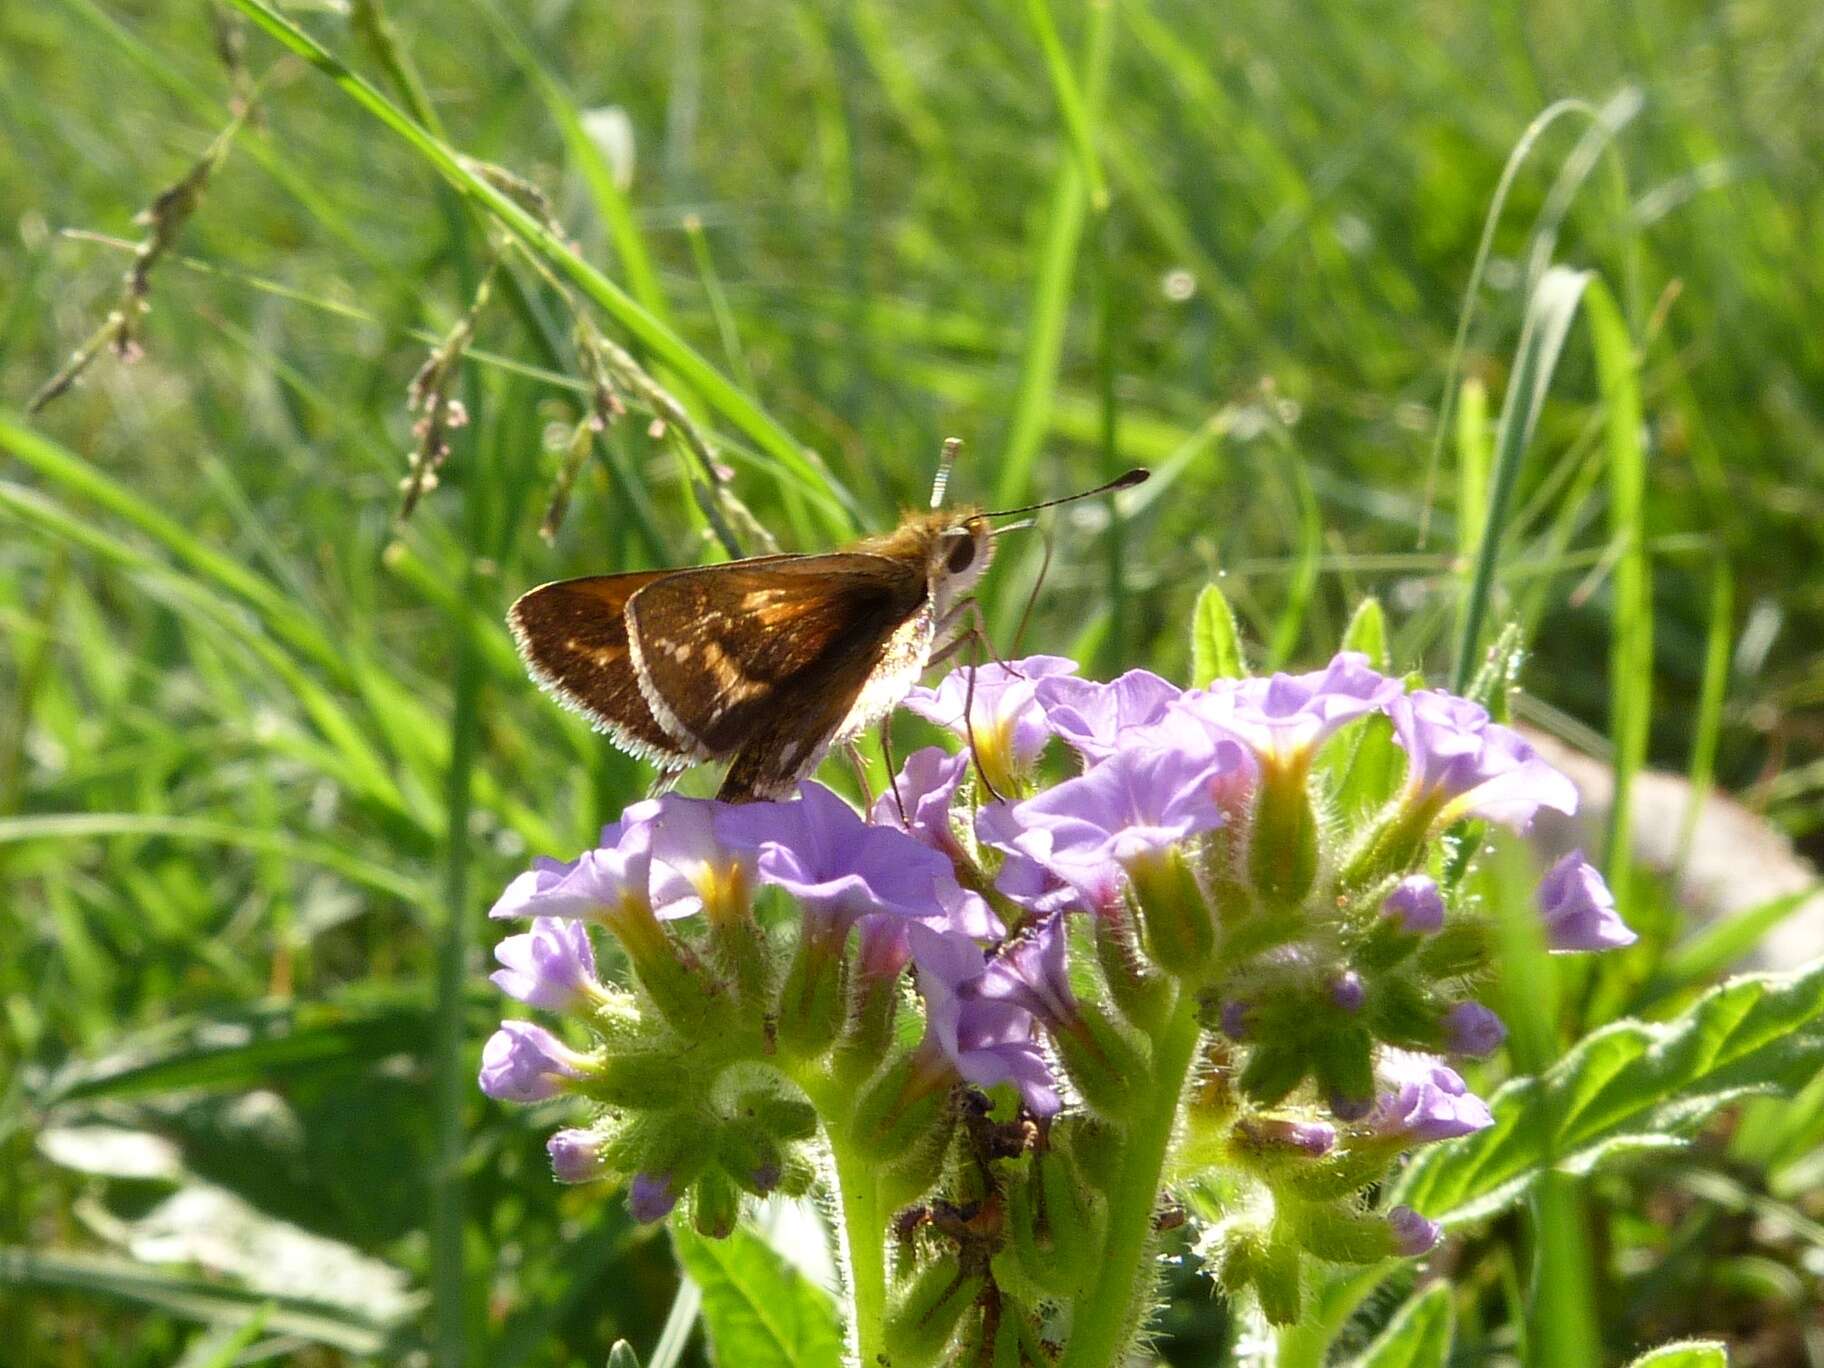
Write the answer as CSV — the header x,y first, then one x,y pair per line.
x,y
1271,1141
523,1062
715,1204
1347,992
925,1314
1579,910
1471,1029
1415,905
1413,1235
576,1156
651,1197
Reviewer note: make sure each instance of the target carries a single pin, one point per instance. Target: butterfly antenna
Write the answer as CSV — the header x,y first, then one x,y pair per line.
x,y
1138,475
946,459
1032,599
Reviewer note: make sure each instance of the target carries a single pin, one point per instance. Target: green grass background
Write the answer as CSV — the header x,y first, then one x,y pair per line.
x,y
265,755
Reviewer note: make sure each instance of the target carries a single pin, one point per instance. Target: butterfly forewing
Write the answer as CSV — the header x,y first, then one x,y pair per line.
x,y
774,655
573,636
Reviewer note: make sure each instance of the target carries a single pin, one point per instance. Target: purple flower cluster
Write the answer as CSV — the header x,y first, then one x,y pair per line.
x,y
1173,787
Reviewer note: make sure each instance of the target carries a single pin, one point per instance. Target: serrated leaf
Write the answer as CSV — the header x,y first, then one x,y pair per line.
x,y
1685,1354
1367,633
1215,640
1627,1087
759,1311
1418,1336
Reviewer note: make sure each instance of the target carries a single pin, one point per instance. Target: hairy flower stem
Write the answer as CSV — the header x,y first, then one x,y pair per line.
x,y
864,1246
1107,1316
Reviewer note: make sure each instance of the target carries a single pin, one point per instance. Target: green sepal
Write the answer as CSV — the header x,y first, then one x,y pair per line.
x,y
1341,1173
1103,1060
741,954
1282,851
1276,1280
1340,1233
649,1079
891,1117
813,1002
749,1154
1401,1012
926,1310
1272,1071
1459,950
1385,945
1141,992
1177,926
1343,1060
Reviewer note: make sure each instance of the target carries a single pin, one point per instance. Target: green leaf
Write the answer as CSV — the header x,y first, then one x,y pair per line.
x,y
1685,1354
1628,1087
1215,640
1419,1336
759,1310
1721,943
195,1298
1367,633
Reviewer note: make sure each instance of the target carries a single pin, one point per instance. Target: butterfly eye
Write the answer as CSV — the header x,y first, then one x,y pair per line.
x,y
962,553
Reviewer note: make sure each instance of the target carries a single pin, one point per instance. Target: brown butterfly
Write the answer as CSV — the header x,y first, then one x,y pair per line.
x,y
767,662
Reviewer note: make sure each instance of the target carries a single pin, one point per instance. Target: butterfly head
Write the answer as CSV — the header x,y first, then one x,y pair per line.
x,y
959,553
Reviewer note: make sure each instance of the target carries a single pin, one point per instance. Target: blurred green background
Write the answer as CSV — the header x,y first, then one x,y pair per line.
x,y
266,754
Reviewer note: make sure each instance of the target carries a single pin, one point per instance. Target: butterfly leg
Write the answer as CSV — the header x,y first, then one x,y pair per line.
x,y
886,754
969,727
664,782
860,762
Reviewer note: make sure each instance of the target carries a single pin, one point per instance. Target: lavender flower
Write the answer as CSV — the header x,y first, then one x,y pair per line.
x,y
1030,971
1091,716
1427,1100
523,1062
840,868
1134,805
1007,723
926,785
576,1156
1283,719
1461,764
691,870
1416,904
651,1197
1471,1029
1578,908
596,883
551,966
986,1041
1413,1235
1032,878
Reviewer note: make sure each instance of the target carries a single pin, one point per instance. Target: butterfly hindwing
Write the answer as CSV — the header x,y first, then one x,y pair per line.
x,y
572,635
728,654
